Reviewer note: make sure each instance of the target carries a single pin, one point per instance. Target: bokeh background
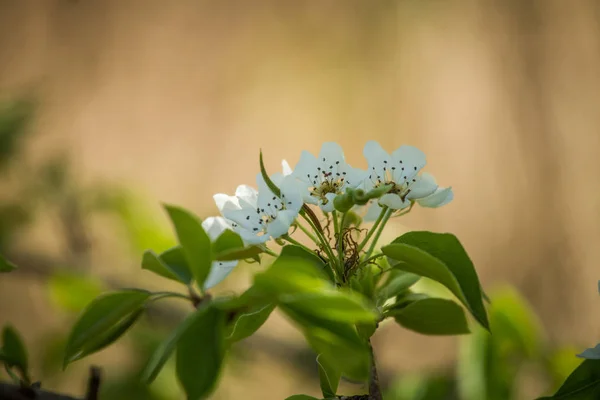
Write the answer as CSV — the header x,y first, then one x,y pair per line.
x,y
112,107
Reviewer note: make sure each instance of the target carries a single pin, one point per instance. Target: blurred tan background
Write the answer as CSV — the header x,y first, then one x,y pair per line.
x,y
173,100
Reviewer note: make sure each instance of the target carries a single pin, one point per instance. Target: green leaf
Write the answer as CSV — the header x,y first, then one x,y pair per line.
x,y
5,265
174,271
239,254
441,257
398,282
162,353
227,241
111,335
353,362
291,276
337,342
72,291
292,252
101,320
582,384
329,377
333,305
200,354
591,354
301,397
14,349
432,316
194,241
268,181
177,263
248,322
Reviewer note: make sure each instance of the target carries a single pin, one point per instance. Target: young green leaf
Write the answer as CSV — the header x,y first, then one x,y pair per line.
x,y
200,353
399,282
333,305
228,240
248,322
337,342
582,384
292,252
175,259
329,377
14,349
110,336
431,316
5,265
239,254
102,320
194,241
263,171
162,353
441,257
175,272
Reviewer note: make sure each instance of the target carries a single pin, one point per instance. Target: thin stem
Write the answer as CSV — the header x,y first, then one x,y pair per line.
x,y
308,233
325,245
385,219
374,389
297,243
163,295
376,256
270,252
373,229
336,225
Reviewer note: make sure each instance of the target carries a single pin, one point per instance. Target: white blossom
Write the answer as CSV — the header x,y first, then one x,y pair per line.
x,y
400,169
260,215
321,179
214,227
440,197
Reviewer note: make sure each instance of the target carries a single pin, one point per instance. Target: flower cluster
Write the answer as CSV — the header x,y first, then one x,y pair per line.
x,y
263,214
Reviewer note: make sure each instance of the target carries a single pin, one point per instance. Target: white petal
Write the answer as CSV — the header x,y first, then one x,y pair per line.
x,y
281,224
247,196
291,191
408,161
306,169
251,237
379,162
393,201
247,218
354,177
214,226
276,178
225,202
441,197
331,153
373,211
218,271
423,186
286,169
329,207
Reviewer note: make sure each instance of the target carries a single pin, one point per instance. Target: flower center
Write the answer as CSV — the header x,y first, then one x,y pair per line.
x,y
328,185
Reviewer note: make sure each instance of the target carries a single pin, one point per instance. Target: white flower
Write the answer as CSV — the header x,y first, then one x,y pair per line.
x,y
440,197
320,180
214,227
260,215
400,169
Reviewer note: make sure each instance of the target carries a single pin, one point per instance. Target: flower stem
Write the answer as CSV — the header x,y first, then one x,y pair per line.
x,y
297,243
325,246
384,220
373,229
270,252
386,217
308,233
374,388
